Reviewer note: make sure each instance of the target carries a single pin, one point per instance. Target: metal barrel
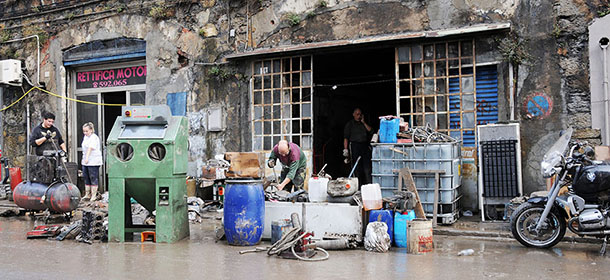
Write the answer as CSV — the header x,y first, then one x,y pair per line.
x,y
59,197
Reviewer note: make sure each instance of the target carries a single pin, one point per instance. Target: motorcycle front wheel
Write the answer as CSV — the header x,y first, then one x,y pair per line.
x,y
523,226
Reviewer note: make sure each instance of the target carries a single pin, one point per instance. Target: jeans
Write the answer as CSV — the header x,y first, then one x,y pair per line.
x,y
91,174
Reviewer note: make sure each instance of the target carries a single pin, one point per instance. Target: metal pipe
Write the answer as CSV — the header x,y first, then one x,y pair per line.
x,y
511,91
37,53
603,44
596,232
27,140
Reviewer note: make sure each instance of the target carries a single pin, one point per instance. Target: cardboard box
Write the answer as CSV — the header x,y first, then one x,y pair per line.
x,y
244,165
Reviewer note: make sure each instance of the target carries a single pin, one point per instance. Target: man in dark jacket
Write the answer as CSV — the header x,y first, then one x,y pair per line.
x,y
45,136
294,164
356,137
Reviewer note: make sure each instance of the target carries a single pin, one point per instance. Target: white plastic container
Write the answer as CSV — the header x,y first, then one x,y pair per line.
x,y
318,187
371,197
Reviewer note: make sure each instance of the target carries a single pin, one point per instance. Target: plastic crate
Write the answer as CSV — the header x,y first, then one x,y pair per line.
x,y
387,159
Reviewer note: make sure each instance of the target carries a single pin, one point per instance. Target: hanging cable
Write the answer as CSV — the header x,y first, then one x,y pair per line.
x,y
76,100
56,95
24,94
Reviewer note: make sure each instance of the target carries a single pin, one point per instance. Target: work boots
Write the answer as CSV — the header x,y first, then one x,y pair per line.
x,y
87,193
94,194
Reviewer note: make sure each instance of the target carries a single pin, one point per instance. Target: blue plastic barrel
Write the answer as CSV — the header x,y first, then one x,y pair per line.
x,y
385,216
400,227
244,212
388,130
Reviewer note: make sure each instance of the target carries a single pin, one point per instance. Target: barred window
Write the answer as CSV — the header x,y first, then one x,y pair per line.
x,y
437,85
282,102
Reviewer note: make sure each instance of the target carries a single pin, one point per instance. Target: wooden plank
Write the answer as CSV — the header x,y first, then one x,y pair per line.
x,y
405,174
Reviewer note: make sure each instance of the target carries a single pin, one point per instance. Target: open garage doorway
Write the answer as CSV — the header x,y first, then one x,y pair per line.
x,y
343,81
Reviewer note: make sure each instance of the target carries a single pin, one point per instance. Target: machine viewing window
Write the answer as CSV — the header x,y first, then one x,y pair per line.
x,y
282,102
440,84
142,131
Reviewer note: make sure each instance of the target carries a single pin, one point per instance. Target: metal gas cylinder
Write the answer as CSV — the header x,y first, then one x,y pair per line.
x,y
57,197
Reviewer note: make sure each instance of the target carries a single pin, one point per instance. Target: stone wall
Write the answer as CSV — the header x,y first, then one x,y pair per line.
x,y
187,40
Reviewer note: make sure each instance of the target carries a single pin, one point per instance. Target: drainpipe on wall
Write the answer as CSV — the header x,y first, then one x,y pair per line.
x,y
603,43
511,91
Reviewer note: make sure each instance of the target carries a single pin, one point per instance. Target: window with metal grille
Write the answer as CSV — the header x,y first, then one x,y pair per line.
x,y
281,102
439,84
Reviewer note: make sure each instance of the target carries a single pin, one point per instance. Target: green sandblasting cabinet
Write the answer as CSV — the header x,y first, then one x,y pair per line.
x,y
147,161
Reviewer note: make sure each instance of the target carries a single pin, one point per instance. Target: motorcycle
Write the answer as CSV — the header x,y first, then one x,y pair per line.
x,y
541,222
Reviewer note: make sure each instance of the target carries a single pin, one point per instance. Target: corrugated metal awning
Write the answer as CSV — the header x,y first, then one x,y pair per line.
x,y
375,39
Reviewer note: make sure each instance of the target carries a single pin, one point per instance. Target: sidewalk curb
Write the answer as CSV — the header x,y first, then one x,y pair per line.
x,y
504,234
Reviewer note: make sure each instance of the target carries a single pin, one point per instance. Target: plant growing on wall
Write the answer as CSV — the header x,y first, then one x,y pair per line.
x,y
293,19
323,4
31,29
160,11
4,35
219,73
514,49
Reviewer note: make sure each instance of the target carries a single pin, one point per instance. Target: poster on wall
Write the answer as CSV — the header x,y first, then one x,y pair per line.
x,y
107,78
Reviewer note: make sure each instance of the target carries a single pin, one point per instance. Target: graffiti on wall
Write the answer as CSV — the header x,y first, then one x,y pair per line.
x,y
538,105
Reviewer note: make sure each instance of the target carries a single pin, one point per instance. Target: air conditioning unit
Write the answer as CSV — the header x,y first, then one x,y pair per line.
x,y
10,72
499,167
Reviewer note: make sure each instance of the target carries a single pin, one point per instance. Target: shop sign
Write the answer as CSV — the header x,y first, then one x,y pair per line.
x,y
127,76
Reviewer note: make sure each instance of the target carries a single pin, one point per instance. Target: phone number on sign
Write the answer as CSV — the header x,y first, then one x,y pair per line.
x,y
114,83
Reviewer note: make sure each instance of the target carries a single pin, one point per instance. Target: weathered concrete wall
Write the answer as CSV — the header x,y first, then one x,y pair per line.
x,y
185,38
597,30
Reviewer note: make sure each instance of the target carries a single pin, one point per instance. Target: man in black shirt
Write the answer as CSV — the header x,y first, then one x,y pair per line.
x,y
356,136
45,133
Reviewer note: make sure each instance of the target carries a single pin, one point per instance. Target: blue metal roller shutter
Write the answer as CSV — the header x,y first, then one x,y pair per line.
x,y
487,101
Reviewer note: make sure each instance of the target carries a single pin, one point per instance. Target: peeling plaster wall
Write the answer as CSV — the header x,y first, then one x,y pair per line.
x,y
188,33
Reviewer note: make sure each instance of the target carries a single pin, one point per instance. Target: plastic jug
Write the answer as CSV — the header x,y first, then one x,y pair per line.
x,y
388,129
371,196
400,227
318,187
385,216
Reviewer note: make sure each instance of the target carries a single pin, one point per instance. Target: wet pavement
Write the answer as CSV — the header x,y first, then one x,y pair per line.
x,y
200,257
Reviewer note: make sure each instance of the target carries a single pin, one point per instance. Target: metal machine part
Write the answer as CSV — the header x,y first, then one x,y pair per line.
x,y
576,204
342,187
591,219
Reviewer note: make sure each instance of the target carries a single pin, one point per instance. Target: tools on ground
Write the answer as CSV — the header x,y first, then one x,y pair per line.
x,y
44,231
298,243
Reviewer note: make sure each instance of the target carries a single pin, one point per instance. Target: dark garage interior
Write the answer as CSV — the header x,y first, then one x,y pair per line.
x,y
343,81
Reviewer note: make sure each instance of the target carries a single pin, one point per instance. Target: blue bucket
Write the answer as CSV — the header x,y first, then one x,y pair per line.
x,y
244,212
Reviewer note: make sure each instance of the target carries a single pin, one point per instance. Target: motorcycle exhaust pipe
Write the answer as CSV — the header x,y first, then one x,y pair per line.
x,y
597,232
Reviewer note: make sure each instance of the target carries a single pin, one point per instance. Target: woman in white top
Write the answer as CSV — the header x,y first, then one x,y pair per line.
x,y
92,160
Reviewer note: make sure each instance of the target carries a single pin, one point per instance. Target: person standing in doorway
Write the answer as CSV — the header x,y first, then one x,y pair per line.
x,y
294,165
356,138
46,136
91,162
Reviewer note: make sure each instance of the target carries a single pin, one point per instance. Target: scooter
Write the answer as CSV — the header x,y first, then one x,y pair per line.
x,y
541,222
